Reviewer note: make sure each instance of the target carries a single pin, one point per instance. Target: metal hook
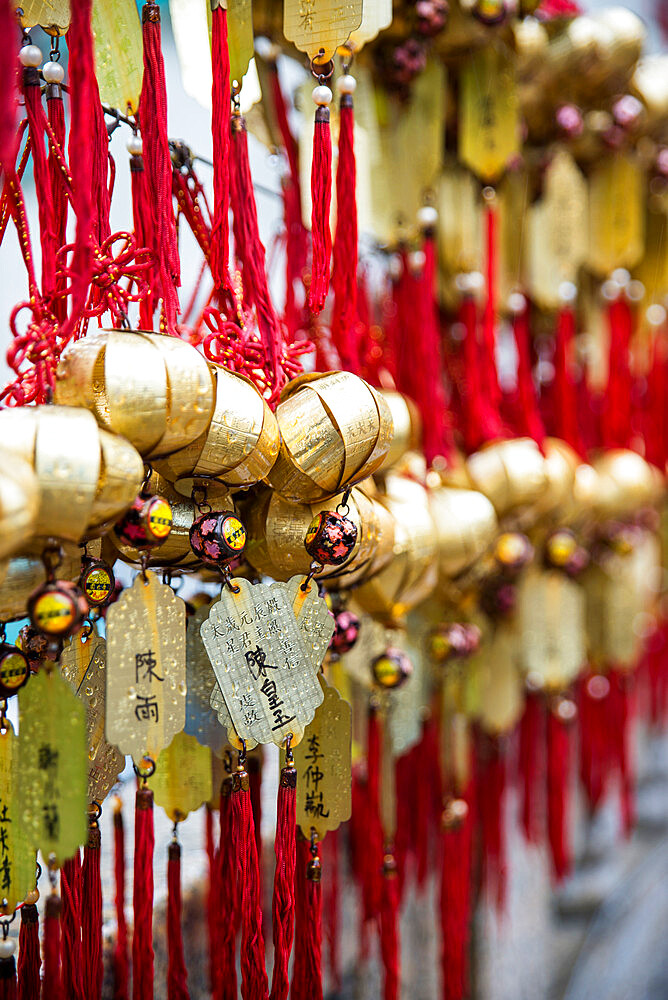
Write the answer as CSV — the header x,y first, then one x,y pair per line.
x,y
322,71
145,772
289,756
243,753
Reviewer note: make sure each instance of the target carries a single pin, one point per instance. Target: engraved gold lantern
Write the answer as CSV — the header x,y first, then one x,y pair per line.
x,y
19,501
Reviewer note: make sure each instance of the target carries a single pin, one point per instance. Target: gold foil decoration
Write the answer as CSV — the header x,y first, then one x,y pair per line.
x,y
551,622
406,705
318,27
510,473
459,220
557,235
17,859
118,53
19,501
146,668
239,37
83,662
182,781
335,431
201,719
498,694
52,766
323,762
263,668
653,268
489,112
23,574
314,620
52,15
616,214
465,524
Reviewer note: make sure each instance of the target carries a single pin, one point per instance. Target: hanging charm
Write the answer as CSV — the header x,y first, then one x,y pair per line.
x,y
315,622
317,29
323,764
261,663
51,772
83,662
202,721
146,668
182,780
17,859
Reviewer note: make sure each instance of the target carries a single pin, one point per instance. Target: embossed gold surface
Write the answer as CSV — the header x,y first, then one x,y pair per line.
x,y
510,473
52,766
616,214
465,524
16,856
551,622
182,779
52,15
314,620
239,37
25,573
489,112
83,664
146,668
318,27
376,15
323,763
19,502
262,666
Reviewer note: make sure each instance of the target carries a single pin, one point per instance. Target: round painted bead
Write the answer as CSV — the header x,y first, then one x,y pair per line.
x,y
57,609
147,523
391,669
98,583
14,669
217,537
346,632
490,11
454,641
35,646
330,538
513,550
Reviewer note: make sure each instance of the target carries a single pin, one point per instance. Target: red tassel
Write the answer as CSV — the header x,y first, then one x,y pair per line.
x,y
283,902
344,271
57,122
72,956
91,916
566,425
121,949
332,907
142,897
220,127
303,854
9,37
594,742
372,887
101,195
8,986
177,979
617,413
253,974
558,774
307,974
153,119
389,918
656,409
212,899
531,730
321,197
83,94
622,712
657,670
250,250
455,895
143,230
37,125
482,422
530,421
228,916
29,954
490,383
52,983
491,786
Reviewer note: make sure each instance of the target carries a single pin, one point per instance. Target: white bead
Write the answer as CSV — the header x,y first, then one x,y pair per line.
x,y
635,290
621,276
135,145
346,84
7,948
427,217
53,72
516,303
31,55
610,290
416,260
322,95
567,291
656,315
476,281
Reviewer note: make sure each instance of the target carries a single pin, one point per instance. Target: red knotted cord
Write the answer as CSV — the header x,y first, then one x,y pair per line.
x,y
56,120
8,984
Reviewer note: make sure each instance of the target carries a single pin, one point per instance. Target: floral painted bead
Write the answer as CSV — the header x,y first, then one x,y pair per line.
x,y
330,538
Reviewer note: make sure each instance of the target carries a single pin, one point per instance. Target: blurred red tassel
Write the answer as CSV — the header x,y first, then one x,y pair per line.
x,y
307,974
332,906
8,985
121,948
242,834
455,894
177,979
531,732
321,198
29,954
9,37
593,717
344,270
530,421
617,404
37,126
227,915
221,97
91,916
142,897
372,886
70,924
52,983
566,423
283,901
153,120
143,230
558,792
212,900
489,378
622,713
389,927
482,422
491,788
